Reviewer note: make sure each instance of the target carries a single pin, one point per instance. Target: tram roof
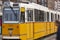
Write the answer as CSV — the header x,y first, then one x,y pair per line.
x,y
34,6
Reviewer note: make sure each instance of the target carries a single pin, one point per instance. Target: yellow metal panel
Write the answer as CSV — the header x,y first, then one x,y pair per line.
x,y
39,29
22,9
38,35
23,28
31,30
48,28
6,32
23,31
23,37
55,28
27,30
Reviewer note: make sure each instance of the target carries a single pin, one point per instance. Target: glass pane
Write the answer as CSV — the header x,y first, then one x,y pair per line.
x,y
47,16
52,17
30,15
55,16
58,17
39,15
10,15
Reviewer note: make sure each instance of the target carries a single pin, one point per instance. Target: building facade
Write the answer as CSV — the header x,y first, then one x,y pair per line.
x,y
51,4
57,5
43,2
47,3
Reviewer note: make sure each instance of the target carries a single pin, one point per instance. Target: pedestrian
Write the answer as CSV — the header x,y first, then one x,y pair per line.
x,y
58,29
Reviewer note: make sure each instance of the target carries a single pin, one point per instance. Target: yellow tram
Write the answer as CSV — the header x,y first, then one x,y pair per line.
x,y
28,21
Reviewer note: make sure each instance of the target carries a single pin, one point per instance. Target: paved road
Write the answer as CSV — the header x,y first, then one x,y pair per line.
x,y
53,37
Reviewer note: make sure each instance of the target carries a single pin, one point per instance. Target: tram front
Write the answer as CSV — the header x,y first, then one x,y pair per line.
x,y
10,25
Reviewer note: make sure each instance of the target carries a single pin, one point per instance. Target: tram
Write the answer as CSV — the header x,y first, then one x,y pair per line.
x,y
28,21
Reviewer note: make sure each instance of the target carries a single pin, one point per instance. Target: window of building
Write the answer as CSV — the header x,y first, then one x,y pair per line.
x,y
42,2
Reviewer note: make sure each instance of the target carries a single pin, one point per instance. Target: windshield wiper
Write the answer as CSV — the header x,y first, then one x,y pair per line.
x,y
14,12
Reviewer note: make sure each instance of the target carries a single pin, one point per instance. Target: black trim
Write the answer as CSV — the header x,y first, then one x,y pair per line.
x,y
41,38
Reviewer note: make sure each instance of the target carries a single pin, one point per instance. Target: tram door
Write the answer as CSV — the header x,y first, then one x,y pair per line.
x,y
22,10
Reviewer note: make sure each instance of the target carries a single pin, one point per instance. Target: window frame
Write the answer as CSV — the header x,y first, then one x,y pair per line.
x,y
9,21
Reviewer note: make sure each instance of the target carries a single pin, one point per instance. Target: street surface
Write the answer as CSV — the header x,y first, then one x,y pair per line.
x,y
52,37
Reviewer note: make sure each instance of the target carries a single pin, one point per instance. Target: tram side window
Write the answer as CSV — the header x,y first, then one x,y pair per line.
x,y
52,18
47,16
55,16
39,18
58,17
36,14
30,15
39,15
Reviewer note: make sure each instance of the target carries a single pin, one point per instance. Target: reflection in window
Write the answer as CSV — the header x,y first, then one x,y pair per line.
x,y
30,15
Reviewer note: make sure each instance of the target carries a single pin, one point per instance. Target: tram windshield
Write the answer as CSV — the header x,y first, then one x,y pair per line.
x,y
11,15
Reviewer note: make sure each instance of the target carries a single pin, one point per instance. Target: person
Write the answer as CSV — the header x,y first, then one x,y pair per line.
x,y
58,29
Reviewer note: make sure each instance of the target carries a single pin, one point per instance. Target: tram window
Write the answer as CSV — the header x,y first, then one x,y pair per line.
x,y
47,16
30,15
39,15
22,17
36,14
58,17
55,16
6,17
52,18
9,15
